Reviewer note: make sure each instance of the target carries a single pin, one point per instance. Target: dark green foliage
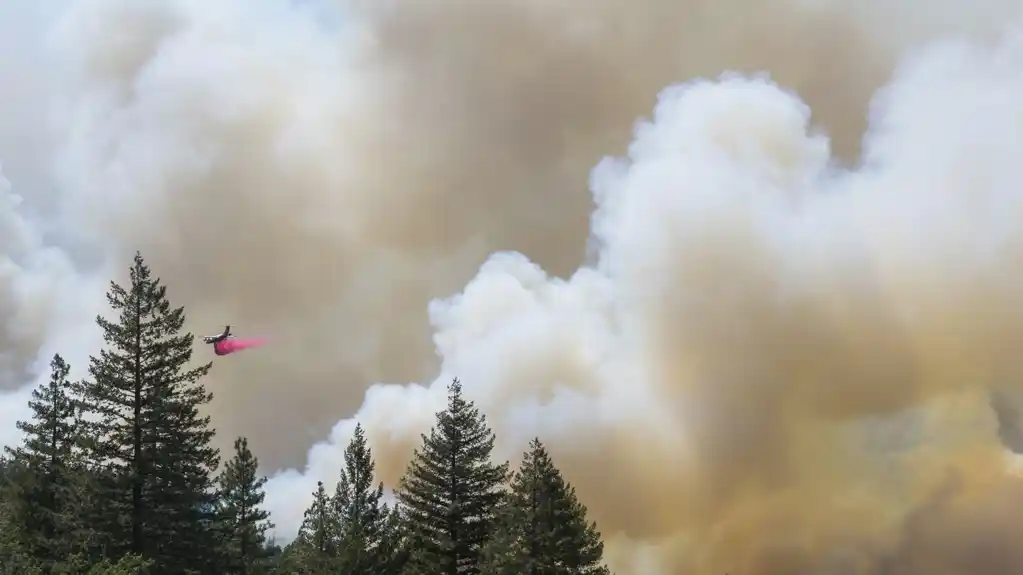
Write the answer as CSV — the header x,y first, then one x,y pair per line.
x,y
395,544
451,490
352,532
127,565
13,556
41,489
543,528
314,550
149,445
115,477
243,523
359,513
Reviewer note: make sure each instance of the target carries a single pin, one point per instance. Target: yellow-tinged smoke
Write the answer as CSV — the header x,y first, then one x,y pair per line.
x,y
748,358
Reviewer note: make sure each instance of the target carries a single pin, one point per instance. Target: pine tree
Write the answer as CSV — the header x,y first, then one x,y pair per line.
x,y
40,504
13,556
243,522
359,512
543,528
393,550
451,490
126,565
314,551
148,444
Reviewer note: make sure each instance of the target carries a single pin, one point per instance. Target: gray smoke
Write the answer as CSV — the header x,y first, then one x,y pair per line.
x,y
788,362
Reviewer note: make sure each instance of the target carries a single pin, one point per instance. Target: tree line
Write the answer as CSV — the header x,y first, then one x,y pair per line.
x,y
117,475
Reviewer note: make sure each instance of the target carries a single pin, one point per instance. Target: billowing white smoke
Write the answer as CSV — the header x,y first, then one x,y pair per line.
x,y
751,302
43,307
47,303
773,364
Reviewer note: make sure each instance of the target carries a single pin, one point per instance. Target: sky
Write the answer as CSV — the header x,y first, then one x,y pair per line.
x,y
749,269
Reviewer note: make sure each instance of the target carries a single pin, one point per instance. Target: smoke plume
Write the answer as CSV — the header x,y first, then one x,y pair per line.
x,y
758,340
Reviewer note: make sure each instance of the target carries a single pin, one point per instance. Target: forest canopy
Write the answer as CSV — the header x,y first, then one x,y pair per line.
x,y
117,474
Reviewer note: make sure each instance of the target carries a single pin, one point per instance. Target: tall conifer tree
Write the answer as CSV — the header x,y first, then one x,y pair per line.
x,y
314,551
41,498
243,522
451,491
542,527
360,513
148,442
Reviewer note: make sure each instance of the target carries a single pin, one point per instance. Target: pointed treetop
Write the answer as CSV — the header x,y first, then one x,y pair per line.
x,y
358,441
537,448
245,522
60,367
544,527
455,400
53,409
451,489
139,272
459,411
359,465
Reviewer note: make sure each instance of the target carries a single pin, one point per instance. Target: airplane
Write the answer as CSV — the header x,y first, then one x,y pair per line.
x,y
214,339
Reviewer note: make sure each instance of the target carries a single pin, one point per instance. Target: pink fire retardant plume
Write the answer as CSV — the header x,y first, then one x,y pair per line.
x,y
232,345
